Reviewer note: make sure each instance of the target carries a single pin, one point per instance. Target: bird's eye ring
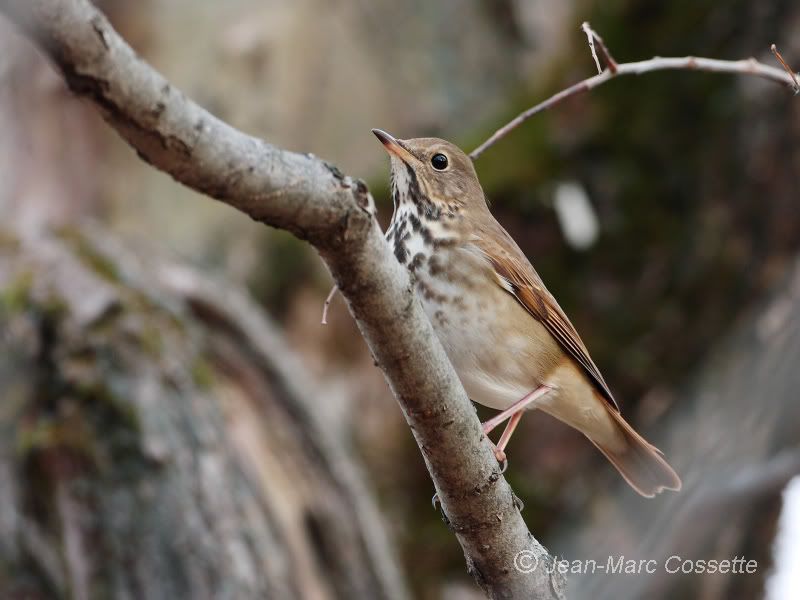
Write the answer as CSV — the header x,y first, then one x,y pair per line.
x,y
439,161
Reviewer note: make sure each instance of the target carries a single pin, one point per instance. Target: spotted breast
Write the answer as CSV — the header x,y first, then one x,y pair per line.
x,y
450,274
511,344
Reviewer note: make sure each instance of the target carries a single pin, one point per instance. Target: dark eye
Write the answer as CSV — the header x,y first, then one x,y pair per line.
x,y
439,162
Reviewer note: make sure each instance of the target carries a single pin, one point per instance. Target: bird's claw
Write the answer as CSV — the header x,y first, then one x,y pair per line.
x,y
501,457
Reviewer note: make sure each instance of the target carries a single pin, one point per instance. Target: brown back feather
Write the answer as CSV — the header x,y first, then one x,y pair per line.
x,y
516,275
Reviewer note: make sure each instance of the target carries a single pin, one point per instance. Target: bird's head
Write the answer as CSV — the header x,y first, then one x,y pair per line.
x,y
432,175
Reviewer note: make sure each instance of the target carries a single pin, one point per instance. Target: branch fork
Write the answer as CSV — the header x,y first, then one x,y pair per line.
x,y
787,68
596,44
602,56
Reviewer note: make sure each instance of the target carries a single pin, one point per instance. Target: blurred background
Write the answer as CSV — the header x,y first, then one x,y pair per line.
x,y
174,420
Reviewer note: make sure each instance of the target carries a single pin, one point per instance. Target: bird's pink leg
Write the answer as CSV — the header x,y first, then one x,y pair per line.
x,y
518,406
513,412
509,431
499,449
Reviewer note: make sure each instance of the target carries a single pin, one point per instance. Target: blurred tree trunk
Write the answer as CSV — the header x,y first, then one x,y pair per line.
x,y
733,438
157,440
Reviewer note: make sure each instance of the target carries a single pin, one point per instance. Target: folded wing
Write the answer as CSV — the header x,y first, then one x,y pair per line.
x,y
517,276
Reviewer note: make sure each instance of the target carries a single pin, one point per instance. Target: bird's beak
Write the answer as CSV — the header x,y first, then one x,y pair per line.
x,y
393,145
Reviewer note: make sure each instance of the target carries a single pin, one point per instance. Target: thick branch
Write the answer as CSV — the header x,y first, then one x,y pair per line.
x,y
335,213
749,66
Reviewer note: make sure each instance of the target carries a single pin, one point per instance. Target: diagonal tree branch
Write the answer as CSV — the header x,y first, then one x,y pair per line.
x,y
613,69
335,213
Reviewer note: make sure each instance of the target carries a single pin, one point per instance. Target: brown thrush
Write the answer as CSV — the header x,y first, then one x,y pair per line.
x,y
510,343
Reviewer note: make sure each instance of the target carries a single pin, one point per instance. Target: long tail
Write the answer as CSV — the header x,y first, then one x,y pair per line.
x,y
639,462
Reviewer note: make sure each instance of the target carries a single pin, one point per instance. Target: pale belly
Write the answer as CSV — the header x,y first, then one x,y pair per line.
x,y
499,351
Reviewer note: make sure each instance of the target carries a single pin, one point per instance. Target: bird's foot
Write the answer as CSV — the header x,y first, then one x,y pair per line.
x,y
501,457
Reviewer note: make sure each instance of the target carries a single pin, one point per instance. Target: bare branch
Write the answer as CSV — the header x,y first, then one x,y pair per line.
x,y
748,66
791,73
327,304
334,212
595,39
590,38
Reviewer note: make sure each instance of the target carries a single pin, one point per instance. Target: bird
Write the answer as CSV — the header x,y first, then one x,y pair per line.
x,y
511,344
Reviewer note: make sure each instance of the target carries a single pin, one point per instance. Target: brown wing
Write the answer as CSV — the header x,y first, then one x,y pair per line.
x,y
516,275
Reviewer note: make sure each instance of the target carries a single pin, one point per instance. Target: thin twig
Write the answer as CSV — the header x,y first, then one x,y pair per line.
x,y
748,66
604,51
327,304
596,40
791,73
590,37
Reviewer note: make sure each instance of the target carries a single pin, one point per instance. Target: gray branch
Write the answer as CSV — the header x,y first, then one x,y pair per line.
x,y
335,213
748,66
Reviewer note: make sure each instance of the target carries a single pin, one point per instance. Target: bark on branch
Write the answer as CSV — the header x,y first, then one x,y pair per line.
x,y
335,213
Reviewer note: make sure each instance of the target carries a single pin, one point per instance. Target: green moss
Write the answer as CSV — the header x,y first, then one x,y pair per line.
x,y
90,256
286,267
66,433
91,420
202,373
117,410
16,297
111,427
151,341
31,437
